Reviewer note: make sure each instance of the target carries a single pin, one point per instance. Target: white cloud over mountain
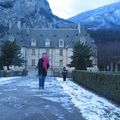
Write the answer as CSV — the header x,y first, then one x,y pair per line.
x,y
69,8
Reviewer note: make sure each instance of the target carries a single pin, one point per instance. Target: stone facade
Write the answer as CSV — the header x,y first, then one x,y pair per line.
x,y
58,57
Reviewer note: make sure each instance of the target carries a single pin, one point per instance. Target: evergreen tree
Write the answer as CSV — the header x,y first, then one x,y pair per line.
x,y
108,46
1,66
11,54
81,57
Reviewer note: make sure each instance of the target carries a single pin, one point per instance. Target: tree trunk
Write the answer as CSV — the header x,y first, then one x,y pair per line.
x,y
1,67
8,67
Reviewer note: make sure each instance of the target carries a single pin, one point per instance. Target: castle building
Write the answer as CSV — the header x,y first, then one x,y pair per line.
x,y
57,43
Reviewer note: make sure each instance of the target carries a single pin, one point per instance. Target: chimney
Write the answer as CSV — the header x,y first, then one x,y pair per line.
x,y
79,28
19,25
28,30
10,25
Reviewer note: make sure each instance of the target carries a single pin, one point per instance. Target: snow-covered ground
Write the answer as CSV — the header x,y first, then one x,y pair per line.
x,y
53,91
67,94
7,80
90,105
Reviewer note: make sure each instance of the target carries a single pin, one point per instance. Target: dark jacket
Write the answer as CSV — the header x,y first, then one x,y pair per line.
x,y
64,72
40,66
41,70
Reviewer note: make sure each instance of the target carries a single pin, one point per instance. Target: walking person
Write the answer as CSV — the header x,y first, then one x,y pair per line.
x,y
40,72
43,65
64,73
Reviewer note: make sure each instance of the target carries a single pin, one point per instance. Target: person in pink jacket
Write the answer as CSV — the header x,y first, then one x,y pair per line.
x,y
43,67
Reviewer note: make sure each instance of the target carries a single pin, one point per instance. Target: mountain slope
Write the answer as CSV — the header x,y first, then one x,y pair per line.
x,y
31,13
104,17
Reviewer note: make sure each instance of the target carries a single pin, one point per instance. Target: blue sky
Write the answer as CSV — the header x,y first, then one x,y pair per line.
x,y
68,8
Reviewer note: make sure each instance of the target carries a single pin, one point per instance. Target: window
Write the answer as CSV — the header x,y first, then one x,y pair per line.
x,y
33,62
47,42
61,43
41,35
47,52
33,42
27,34
61,63
33,51
11,38
54,35
73,42
67,36
21,41
17,33
61,52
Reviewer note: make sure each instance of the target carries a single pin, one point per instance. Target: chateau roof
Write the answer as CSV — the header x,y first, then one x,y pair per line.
x,y
25,36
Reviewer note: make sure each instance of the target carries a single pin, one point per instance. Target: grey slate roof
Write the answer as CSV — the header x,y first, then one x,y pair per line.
x,y
54,35
23,37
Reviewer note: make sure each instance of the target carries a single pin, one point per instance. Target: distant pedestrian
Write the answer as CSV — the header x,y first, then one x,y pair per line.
x,y
43,65
64,73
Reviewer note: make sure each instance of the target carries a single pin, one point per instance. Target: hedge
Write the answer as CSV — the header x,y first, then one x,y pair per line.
x,y
105,84
4,73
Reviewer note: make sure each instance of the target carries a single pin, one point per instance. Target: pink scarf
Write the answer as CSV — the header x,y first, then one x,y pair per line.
x,y
45,62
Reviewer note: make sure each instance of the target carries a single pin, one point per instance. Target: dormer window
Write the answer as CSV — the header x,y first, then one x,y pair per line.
x,y
11,38
54,35
17,33
61,43
41,35
33,43
27,34
47,42
67,36
77,34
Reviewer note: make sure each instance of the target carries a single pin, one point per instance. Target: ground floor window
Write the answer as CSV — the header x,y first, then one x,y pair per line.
x,y
61,52
61,63
47,52
33,51
33,62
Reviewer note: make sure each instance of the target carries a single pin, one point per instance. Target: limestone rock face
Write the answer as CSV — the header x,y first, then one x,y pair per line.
x,y
31,13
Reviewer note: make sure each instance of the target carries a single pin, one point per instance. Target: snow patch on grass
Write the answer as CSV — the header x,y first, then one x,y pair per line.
x,y
91,105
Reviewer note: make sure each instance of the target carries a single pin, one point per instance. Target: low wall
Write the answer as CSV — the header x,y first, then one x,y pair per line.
x,y
105,84
4,73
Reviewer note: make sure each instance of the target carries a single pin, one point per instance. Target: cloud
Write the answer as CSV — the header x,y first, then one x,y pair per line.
x,y
69,8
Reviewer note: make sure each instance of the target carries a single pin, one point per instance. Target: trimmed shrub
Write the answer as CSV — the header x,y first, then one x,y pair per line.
x,y
13,73
105,84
